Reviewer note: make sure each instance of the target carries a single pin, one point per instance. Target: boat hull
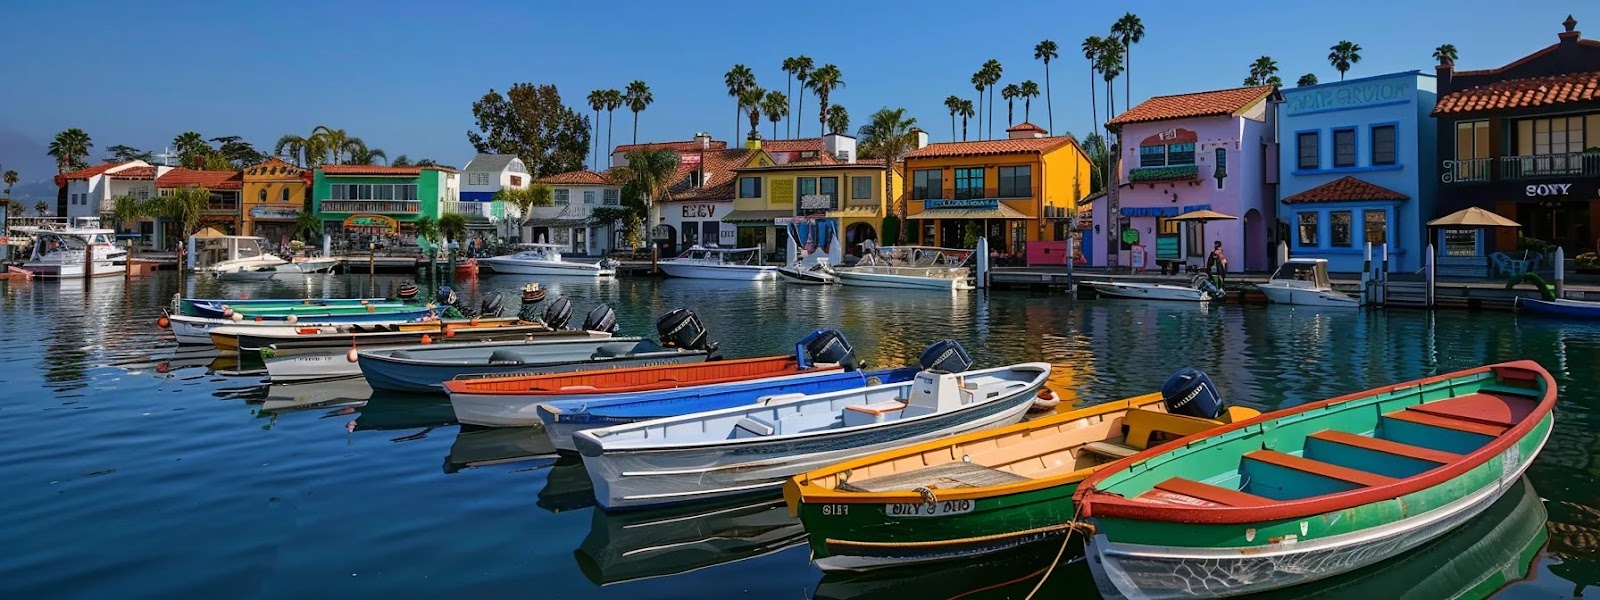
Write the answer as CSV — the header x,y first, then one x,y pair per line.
x,y
902,282
273,346
337,365
315,265
385,372
193,306
545,268
1146,291
247,275
806,277
728,272
1298,296
197,330
53,270
1576,309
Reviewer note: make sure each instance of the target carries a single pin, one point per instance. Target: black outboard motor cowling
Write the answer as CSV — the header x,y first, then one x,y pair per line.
x,y
559,313
945,356
408,291
447,296
681,328
490,306
830,346
1190,392
601,319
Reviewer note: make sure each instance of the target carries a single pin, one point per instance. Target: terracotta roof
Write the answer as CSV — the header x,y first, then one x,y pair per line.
x,y
91,171
721,165
991,147
135,173
1522,93
211,180
1344,189
1198,104
1025,126
575,178
688,146
795,145
379,170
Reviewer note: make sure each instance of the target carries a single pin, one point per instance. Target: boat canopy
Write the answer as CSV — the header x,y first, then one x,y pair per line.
x,y
732,256
1314,270
915,256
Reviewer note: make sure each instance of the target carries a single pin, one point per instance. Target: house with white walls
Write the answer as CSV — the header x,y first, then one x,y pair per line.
x,y
92,192
566,221
483,177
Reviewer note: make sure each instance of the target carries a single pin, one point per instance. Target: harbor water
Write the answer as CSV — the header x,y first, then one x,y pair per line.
x,y
136,468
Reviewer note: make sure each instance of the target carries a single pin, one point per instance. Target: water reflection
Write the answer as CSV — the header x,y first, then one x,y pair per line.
x,y
567,486
481,447
635,545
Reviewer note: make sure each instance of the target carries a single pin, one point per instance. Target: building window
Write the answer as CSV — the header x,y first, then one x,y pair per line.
x,y
1307,150
516,181
969,183
283,195
613,197
590,197
1180,154
563,196
1561,135
1339,228
143,193
926,184
1308,229
1221,171
829,186
337,192
262,195
1461,242
861,188
1383,152
1153,156
749,187
1016,182
1377,226
1472,140
1166,226
1344,148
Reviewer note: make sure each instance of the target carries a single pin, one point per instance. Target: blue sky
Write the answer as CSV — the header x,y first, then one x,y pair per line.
x,y
402,74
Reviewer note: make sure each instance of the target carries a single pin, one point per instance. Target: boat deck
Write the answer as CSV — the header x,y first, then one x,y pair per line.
x,y
940,477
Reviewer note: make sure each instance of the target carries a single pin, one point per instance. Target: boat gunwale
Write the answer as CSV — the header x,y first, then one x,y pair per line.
x,y
1097,503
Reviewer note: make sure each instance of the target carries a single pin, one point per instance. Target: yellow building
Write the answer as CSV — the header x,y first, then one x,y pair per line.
x,y
828,184
1017,190
274,194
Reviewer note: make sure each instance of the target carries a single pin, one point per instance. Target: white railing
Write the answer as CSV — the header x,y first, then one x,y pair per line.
x,y
469,209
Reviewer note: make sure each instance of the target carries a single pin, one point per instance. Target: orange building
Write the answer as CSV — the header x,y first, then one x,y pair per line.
x,y
274,195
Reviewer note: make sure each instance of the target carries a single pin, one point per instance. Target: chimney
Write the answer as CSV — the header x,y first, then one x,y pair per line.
x,y
702,140
1443,73
752,141
1026,131
841,146
922,138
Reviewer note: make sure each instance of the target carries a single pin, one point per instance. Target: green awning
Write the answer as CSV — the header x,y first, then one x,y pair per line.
x,y
756,217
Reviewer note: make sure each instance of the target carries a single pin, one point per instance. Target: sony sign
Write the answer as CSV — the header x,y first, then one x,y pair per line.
x,y
1548,189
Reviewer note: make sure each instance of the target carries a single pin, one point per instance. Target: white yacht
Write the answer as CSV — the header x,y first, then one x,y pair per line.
x,y
910,267
58,251
545,259
1199,292
1304,282
711,262
233,254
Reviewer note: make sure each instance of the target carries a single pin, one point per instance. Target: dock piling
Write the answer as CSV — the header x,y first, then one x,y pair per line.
x,y
1383,273
983,262
1366,276
1561,275
1430,278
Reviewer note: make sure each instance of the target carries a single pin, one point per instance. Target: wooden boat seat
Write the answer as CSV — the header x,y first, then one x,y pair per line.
x,y
1109,450
749,427
1317,467
1178,490
862,414
1503,410
946,476
1443,422
1386,446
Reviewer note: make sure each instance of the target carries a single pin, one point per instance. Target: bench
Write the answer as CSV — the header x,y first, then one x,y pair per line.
x,y
946,476
1109,450
750,427
1386,446
1178,490
1410,415
1501,410
864,414
1319,468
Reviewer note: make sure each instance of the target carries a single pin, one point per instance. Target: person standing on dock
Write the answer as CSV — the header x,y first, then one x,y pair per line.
x,y
1217,264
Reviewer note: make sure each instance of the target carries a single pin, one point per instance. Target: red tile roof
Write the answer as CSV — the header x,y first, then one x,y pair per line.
x,y
688,146
991,147
1025,126
1522,93
575,178
1344,189
721,164
1198,104
135,173
211,180
91,171
379,170
795,145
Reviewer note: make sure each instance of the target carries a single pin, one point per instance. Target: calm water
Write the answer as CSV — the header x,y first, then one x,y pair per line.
x,y
132,469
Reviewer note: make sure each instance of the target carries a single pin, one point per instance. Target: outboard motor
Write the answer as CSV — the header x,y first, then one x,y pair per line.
x,y
601,319
490,306
447,296
829,346
681,328
559,313
1210,288
407,292
945,356
1190,392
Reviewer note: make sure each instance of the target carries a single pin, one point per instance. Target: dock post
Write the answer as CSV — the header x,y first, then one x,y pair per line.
x,y
1561,275
327,246
1366,276
983,261
1430,277
1283,252
1383,274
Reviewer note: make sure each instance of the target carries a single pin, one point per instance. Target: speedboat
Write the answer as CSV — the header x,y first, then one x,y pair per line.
x,y
817,272
232,253
711,262
545,259
309,265
58,252
1201,291
910,267
246,273
1304,282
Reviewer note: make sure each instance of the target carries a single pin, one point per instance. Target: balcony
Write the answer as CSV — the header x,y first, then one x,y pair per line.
x,y
392,207
1167,173
1521,168
470,210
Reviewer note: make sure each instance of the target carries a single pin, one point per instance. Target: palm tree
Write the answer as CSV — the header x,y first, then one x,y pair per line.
x,y
293,147
750,100
362,155
613,101
991,75
453,226
800,68
1009,94
652,171
954,104
307,226
1445,54
838,119
524,199
188,145
1028,91
1047,51
823,81
597,101
1110,68
1261,71
1091,52
183,206
738,79
966,113
11,179
330,141
69,148
1128,30
979,82
1308,79
401,161
776,107
426,228
637,98
127,208
889,134
41,208
1343,55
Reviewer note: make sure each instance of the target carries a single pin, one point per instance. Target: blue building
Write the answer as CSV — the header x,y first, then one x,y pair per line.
x,y
1357,165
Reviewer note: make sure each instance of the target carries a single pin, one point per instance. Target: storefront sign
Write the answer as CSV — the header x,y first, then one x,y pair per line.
x,y
1166,211
1349,96
275,212
699,211
782,190
726,236
970,203
380,222
1549,189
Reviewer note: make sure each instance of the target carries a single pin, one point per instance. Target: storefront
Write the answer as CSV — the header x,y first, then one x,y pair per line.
x,y
275,224
685,224
959,224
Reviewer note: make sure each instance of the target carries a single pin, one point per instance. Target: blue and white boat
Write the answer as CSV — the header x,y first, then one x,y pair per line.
x,y
1573,309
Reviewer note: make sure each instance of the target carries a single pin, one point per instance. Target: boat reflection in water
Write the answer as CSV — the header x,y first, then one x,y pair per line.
x,y
1493,550
290,397
484,446
636,545
567,486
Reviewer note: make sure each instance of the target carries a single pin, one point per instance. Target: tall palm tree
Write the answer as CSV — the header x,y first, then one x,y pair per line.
x,y
1047,51
1445,54
991,75
838,119
11,179
790,65
750,100
1091,52
183,206
188,145
70,148
776,107
652,171
1009,94
889,133
597,101
1128,30
823,81
1110,68
613,101
362,155
738,79
1307,80
1262,71
966,113
330,142
638,98
292,147
1028,91
980,83
801,69
1343,55
954,104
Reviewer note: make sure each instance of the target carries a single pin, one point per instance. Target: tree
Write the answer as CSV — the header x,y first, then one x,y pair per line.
x,y
888,136
1343,55
991,75
362,155
776,107
652,172
597,101
638,98
1094,147
41,208
294,148
1262,71
425,162
454,226
739,79
979,83
823,81
966,113
800,69
613,101
1091,52
1445,54
954,104
426,228
125,209
69,148
401,161
524,199
190,145
1308,79
750,100
1048,51
1110,67
1009,94
307,227
531,122
1028,91
11,179
237,151
123,153
184,206
1128,30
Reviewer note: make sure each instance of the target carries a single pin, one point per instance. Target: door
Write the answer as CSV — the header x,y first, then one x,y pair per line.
x,y
580,241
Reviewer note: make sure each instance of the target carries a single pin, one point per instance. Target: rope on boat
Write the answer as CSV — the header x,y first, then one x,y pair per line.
x,y
1074,524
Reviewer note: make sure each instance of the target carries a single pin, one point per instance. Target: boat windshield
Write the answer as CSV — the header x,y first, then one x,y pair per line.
x,y
51,243
731,256
1301,271
915,256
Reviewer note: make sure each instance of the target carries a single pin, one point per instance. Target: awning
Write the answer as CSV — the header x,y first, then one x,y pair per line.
x,y
1472,217
756,217
999,211
558,223
854,212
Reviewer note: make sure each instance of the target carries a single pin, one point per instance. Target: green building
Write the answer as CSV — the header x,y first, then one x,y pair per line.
x,y
358,204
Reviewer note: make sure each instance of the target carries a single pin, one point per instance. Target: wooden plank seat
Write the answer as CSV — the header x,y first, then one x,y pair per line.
x,y
1411,415
1178,490
1109,450
1317,467
1498,409
946,476
1386,446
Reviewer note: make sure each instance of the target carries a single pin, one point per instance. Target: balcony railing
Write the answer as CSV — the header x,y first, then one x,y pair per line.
x,y
467,209
1519,168
371,206
1467,170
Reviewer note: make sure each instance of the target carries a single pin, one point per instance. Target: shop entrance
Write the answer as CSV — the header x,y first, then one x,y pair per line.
x,y
1564,224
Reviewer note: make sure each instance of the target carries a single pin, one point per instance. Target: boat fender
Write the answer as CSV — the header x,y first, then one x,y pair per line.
x,y
1190,392
163,322
830,346
1045,400
408,291
351,355
945,356
681,328
601,319
559,313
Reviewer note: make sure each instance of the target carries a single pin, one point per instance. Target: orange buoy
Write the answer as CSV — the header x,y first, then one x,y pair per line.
x,y
427,339
163,322
370,307
351,355
473,322
450,331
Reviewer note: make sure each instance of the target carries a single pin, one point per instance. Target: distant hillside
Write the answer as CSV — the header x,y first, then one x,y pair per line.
x,y
26,156
30,191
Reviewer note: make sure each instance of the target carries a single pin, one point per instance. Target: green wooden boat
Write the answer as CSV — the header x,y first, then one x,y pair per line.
x,y
312,309
977,493
1317,490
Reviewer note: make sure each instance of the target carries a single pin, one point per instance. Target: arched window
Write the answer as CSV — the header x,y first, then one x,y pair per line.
x,y
262,195
283,196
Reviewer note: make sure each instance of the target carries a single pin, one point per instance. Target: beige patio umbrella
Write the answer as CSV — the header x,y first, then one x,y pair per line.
x,y
209,232
1202,217
1473,217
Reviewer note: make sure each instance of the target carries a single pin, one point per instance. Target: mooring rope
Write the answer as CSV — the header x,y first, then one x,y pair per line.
x,y
1072,526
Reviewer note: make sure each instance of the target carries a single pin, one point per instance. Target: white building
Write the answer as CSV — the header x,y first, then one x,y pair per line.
x,y
92,192
483,176
566,222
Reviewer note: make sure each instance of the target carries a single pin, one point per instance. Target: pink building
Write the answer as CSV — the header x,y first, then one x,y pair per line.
x,y
1202,151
